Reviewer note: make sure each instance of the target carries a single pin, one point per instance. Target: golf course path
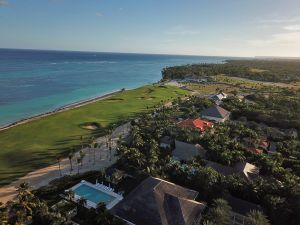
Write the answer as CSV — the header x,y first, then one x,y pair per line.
x,y
104,158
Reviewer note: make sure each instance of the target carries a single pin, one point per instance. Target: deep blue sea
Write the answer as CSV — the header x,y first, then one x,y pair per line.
x,y
34,81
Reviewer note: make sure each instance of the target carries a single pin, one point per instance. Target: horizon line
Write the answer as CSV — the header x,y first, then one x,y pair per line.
x,y
147,53
137,53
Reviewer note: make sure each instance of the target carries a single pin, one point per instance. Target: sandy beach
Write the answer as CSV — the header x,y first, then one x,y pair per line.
x,y
104,158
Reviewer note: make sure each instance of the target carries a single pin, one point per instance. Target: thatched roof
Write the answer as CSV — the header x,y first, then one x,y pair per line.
x,y
158,202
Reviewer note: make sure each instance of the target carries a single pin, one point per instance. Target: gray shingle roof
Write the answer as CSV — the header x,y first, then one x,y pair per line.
x,y
185,151
215,111
166,140
158,202
243,169
225,170
241,206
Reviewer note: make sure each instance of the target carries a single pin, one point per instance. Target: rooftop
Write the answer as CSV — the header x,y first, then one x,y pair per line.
x,y
241,206
159,202
215,111
185,151
196,123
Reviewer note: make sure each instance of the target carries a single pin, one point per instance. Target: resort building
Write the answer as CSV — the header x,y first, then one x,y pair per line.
x,y
244,170
218,98
159,202
186,152
198,124
215,113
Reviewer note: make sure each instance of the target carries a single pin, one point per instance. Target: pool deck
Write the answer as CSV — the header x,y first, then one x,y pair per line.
x,y
99,187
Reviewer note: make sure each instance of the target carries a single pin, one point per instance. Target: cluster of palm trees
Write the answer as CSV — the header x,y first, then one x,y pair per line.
x,y
220,213
26,208
92,148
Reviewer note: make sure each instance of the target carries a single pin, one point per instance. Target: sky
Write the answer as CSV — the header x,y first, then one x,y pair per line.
x,y
189,27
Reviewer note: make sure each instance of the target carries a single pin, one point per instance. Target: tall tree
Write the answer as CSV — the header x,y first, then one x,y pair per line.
x,y
78,164
81,155
256,217
58,158
220,212
71,156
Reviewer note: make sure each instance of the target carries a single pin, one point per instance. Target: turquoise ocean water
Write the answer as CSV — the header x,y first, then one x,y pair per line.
x,y
34,82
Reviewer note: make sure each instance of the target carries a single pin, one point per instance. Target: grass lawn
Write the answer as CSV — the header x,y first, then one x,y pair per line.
x,y
204,89
36,144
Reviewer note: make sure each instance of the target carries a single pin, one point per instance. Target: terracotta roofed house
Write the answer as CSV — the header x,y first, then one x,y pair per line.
x,y
215,113
159,202
199,124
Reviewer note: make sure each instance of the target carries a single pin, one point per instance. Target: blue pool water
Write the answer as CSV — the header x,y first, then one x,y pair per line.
x,y
92,194
34,82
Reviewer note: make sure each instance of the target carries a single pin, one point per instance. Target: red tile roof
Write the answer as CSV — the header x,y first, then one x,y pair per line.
x,y
255,150
196,123
263,142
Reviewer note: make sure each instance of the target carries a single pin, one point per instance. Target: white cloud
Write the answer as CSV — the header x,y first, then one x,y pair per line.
x,y
282,39
99,14
294,27
279,20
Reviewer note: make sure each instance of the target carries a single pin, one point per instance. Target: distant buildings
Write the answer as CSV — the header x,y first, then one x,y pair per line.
x,y
159,202
215,113
218,98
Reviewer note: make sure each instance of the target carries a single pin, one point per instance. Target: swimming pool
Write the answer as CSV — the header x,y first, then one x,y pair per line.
x,y
93,194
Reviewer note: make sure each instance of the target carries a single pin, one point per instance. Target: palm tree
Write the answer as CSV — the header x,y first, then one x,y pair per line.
x,y
220,212
70,194
82,202
58,158
94,148
256,217
81,140
78,163
70,156
3,213
23,187
89,152
81,155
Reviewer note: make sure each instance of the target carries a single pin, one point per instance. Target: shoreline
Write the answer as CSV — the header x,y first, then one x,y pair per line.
x,y
60,109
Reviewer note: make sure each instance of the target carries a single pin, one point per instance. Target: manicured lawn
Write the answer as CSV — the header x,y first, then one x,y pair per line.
x,y
204,89
36,144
